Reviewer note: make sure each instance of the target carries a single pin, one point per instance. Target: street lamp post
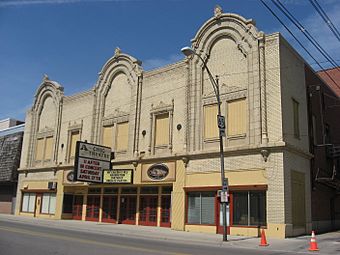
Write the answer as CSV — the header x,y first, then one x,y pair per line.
x,y
187,51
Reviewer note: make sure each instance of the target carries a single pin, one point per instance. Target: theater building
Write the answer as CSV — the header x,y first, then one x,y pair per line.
x,y
161,126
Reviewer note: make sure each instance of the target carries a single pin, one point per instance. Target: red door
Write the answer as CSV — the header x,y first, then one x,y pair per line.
x,y
77,210
128,209
148,210
109,209
165,211
219,219
92,208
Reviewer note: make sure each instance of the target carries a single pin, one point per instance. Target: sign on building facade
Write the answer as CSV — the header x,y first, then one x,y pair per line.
x,y
91,160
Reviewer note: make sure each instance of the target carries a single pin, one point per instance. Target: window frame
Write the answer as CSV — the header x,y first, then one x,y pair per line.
x,y
296,118
241,134
44,137
213,192
30,194
214,138
249,224
49,203
70,157
155,111
113,122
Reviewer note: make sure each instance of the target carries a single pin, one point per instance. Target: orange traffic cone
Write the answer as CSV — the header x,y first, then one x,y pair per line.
x,y
313,244
263,239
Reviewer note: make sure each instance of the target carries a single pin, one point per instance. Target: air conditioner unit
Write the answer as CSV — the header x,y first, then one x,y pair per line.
x,y
52,185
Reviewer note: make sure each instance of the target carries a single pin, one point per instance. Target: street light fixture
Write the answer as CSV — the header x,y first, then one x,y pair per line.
x,y
188,51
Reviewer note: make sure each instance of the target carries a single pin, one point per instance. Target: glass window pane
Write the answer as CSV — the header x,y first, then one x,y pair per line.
x,y
31,203
166,190
149,190
52,203
45,203
240,211
257,208
25,200
129,190
207,208
194,208
67,203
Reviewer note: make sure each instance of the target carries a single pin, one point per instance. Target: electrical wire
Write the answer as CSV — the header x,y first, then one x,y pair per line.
x,y
305,32
302,46
325,17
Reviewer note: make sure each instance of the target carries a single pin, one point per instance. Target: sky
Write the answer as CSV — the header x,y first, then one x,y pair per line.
x,y
70,40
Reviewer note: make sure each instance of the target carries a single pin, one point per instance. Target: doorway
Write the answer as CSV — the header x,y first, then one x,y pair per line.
x,y
92,208
77,209
166,211
148,210
109,209
127,213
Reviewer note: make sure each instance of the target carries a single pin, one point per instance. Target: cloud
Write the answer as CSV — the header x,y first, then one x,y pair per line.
x,y
154,63
8,3
321,33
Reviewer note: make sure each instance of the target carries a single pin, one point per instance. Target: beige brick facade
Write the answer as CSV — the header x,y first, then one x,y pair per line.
x,y
261,69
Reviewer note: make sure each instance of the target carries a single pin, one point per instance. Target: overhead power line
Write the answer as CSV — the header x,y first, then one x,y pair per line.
x,y
305,32
299,42
325,17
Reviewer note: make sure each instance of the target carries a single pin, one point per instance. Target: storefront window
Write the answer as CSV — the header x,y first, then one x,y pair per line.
x,y
201,208
240,208
249,208
166,190
48,203
28,202
129,190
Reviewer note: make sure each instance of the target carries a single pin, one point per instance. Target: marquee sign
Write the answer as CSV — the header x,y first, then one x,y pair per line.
x,y
91,160
117,176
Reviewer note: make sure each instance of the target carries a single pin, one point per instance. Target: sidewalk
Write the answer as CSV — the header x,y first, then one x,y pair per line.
x,y
328,243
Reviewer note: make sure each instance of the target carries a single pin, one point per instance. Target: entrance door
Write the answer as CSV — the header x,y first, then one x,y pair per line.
x,y
165,211
109,209
37,208
128,209
77,210
148,210
92,208
219,218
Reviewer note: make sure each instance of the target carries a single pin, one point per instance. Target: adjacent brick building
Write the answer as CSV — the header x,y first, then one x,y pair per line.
x,y
324,128
164,120
11,135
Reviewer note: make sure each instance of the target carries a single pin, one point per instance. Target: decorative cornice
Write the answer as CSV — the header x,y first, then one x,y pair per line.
x,y
162,107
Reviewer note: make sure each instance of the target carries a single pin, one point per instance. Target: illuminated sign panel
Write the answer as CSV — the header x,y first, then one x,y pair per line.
x,y
117,176
91,160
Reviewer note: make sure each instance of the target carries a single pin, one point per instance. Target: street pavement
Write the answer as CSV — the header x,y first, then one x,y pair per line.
x,y
26,235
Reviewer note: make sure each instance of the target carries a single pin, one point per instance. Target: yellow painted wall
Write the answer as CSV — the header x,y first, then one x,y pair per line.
x,y
241,177
178,198
276,230
237,231
200,229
